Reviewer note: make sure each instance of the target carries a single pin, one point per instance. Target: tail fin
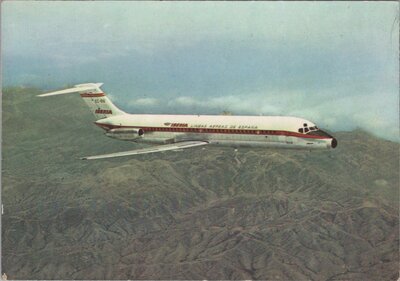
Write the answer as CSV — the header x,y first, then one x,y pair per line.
x,y
95,98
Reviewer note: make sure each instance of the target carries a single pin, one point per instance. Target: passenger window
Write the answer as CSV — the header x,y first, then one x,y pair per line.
x,y
306,130
301,130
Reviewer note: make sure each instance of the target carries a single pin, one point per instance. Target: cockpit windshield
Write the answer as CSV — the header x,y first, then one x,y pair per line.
x,y
313,130
305,129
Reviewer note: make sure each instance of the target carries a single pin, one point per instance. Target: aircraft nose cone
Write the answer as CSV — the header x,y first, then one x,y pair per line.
x,y
334,143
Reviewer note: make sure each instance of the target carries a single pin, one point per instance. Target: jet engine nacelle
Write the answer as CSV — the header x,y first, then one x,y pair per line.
x,y
125,134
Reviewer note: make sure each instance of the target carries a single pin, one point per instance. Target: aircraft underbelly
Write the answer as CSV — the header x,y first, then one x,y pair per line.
x,y
236,140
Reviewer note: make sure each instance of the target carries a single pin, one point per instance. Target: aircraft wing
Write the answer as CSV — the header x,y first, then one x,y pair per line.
x,y
159,148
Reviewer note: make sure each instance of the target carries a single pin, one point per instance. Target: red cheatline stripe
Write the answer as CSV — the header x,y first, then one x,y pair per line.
x,y
214,131
92,95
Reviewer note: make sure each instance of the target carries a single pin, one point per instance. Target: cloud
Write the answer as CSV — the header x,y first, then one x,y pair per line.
x,y
345,113
242,104
187,101
145,102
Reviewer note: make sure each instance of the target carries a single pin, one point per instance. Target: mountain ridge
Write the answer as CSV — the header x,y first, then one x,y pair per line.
x,y
209,214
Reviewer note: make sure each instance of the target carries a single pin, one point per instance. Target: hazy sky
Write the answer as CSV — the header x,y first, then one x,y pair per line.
x,y
335,63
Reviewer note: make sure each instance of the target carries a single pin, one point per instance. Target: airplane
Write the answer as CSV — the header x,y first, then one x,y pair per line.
x,y
177,132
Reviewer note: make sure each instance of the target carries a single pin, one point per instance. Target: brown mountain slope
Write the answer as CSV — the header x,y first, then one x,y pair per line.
x,y
197,214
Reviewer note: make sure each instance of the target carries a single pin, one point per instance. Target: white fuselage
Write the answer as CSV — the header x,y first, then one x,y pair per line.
x,y
236,131
186,131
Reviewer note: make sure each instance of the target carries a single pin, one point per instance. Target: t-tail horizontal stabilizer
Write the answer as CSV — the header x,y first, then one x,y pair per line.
x,y
76,89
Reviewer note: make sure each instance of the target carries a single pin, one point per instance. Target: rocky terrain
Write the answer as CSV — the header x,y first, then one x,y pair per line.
x,y
200,214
